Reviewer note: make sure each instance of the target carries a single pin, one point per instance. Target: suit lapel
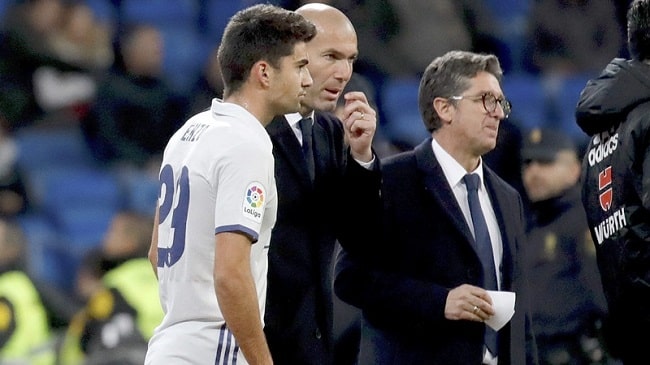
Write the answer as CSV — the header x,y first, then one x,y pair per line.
x,y
436,184
286,144
502,204
321,145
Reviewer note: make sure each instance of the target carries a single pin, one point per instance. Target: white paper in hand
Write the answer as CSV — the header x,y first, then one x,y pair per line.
x,y
503,303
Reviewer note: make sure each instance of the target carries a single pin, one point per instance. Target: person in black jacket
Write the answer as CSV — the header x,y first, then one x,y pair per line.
x,y
425,275
614,110
559,256
299,306
135,111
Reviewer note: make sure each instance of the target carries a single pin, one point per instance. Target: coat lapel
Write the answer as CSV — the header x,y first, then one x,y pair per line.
x,y
320,145
502,204
286,144
435,184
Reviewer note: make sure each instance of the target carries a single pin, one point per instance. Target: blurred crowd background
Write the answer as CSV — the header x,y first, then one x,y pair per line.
x,y
90,91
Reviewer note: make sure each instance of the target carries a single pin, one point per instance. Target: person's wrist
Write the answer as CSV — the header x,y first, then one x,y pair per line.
x,y
366,156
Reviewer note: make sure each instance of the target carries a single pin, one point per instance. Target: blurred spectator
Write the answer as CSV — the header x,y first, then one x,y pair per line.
x,y
209,85
569,41
123,306
25,46
381,145
135,111
82,39
505,158
568,303
88,279
510,18
573,36
621,16
399,38
24,328
13,194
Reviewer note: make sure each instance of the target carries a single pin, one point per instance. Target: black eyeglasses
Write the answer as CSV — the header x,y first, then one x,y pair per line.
x,y
489,102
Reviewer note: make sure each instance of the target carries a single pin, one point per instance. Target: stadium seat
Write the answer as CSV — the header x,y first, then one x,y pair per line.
x,y
215,15
567,100
83,228
54,189
528,97
511,22
103,10
43,244
44,148
399,99
160,13
184,55
79,204
4,6
141,191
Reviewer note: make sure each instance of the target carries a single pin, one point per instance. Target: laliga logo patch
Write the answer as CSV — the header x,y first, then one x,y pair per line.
x,y
254,202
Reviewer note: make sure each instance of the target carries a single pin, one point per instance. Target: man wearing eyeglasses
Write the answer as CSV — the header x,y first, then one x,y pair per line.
x,y
448,230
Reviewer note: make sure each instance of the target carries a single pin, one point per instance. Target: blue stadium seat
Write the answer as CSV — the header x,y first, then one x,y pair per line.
x,y
511,18
399,99
43,148
141,191
103,10
216,14
161,13
78,187
43,242
567,100
58,188
184,55
79,203
4,6
83,228
528,97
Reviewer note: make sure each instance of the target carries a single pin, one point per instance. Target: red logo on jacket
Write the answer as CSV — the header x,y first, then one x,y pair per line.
x,y
605,182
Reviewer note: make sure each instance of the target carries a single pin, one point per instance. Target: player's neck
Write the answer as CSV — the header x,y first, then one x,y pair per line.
x,y
256,108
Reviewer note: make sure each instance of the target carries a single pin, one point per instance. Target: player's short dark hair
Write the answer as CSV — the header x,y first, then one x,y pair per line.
x,y
260,32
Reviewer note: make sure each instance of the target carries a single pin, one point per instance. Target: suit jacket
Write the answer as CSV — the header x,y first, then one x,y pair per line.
x,y
400,273
299,297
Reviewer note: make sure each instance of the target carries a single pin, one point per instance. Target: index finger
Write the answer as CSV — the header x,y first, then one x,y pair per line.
x,y
352,96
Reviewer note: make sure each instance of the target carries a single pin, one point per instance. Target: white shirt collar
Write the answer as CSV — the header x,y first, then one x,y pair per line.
x,y
453,171
220,107
294,118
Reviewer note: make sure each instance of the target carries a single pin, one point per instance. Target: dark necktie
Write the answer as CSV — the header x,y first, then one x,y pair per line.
x,y
483,248
306,127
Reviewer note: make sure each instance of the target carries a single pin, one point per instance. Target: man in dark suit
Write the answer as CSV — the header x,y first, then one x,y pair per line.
x,y
420,276
298,318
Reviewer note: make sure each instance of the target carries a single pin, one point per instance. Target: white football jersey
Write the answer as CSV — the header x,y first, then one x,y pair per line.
x,y
217,175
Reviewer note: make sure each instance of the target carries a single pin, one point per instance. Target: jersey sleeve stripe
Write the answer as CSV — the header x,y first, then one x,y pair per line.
x,y
238,228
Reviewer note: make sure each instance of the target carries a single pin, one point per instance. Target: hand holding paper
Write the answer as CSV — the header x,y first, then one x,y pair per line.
x,y
503,303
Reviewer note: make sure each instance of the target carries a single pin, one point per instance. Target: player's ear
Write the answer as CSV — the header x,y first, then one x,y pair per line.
x,y
261,72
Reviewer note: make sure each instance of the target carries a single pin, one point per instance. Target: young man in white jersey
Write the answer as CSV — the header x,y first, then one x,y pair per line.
x,y
218,198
